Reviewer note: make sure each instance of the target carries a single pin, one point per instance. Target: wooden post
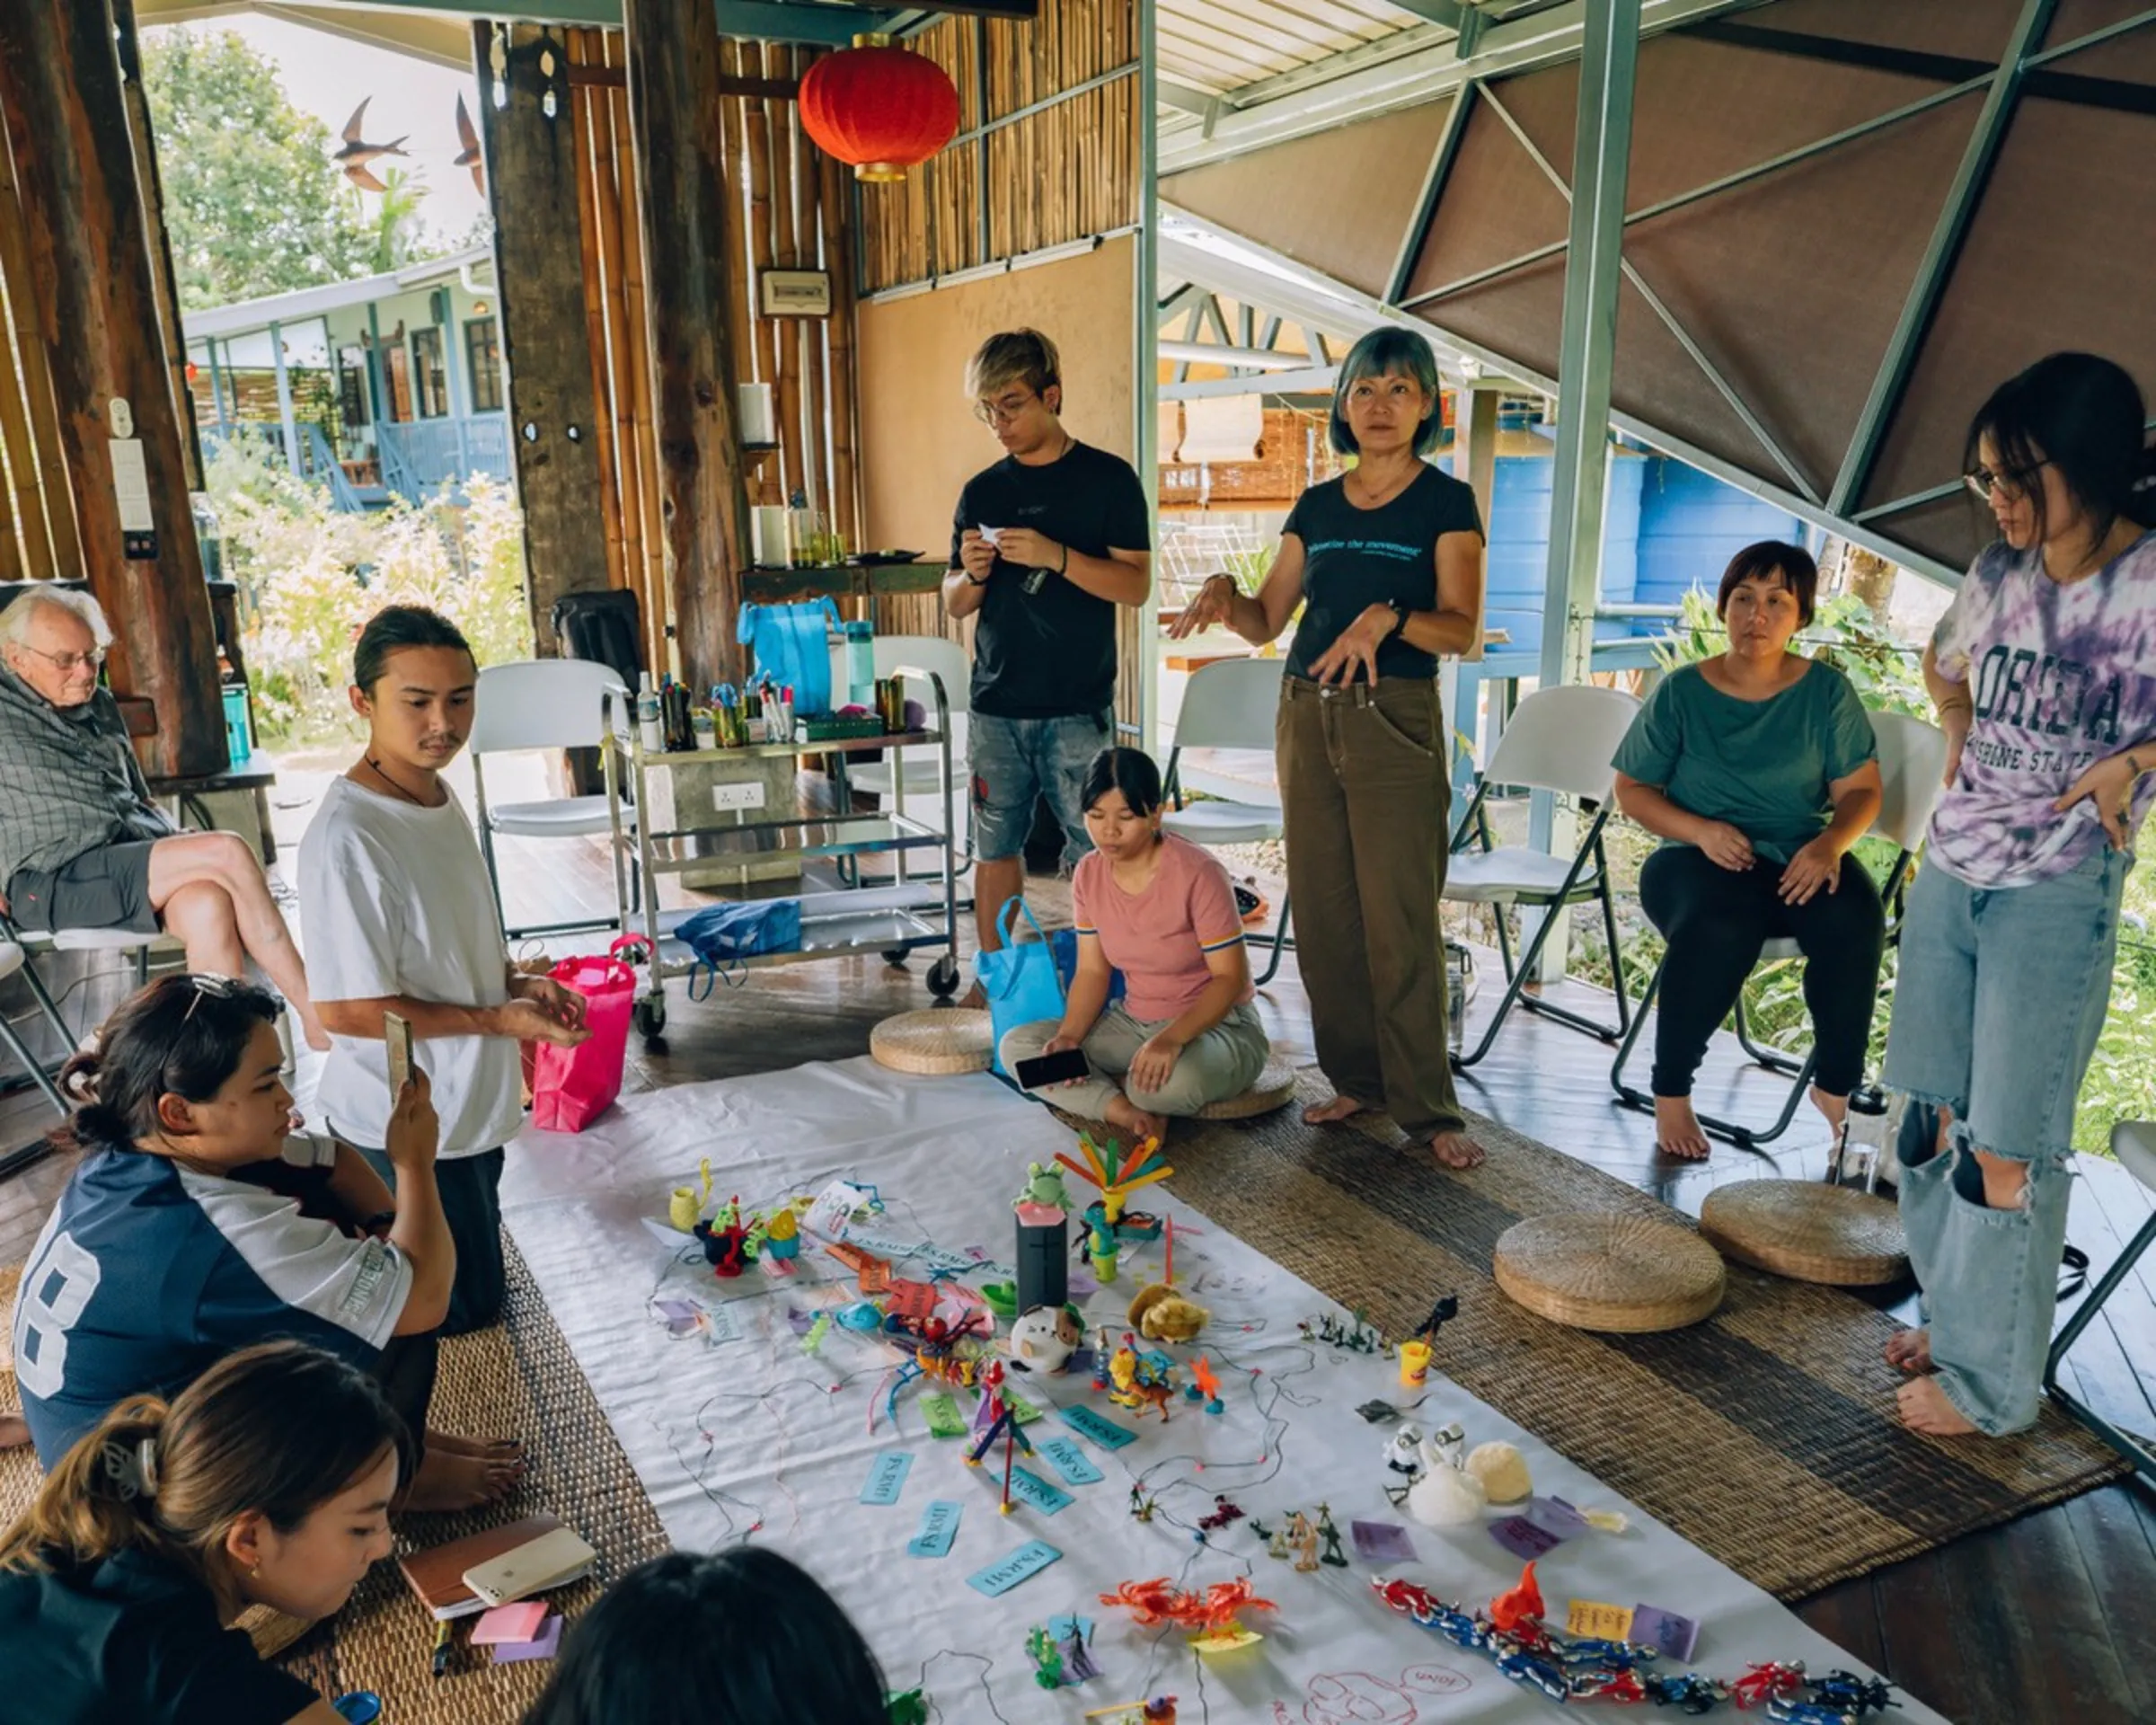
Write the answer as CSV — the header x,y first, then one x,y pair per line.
x,y
755,131
659,611
785,332
538,269
284,398
48,487
602,270
97,316
163,276
838,258
674,108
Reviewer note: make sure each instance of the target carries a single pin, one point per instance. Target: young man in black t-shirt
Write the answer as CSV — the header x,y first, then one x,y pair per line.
x,y
1045,546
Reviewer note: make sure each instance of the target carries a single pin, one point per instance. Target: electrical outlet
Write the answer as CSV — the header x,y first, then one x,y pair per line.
x,y
749,794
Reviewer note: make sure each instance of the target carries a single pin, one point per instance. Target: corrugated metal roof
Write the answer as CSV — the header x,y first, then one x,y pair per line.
x,y
1216,46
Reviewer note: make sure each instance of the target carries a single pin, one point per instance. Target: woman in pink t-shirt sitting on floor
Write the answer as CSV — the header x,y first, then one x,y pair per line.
x,y
1160,910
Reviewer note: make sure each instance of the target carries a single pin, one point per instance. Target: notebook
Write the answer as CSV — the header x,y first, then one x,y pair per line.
x,y
436,1575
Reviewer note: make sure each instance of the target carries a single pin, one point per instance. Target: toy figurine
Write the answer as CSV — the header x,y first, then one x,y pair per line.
x,y
1403,1453
1077,1662
1043,1191
1140,1380
1101,1246
683,1208
1001,1422
1043,1338
781,1242
906,1707
1141,1506
725,1241
1303,1538
1278,1548
1223,1512
1520,1606
1204,1386
1115,1175
1330,1534
1048,1658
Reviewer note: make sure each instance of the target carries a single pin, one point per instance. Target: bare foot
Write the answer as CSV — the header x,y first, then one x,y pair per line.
x,y
1678,1129
1339,1107
1925,1409
1910,1351
1836,1108
1123,1112
1457,1150
976,999
14,1431
448,1481
495,1449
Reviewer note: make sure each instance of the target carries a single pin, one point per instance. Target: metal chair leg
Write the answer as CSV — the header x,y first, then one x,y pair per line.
x,y
1745,1137
1774,1059
1280,942
30,1065
2137,1450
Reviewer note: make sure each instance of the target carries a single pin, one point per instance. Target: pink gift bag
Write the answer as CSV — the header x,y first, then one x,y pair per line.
x,y
572,1087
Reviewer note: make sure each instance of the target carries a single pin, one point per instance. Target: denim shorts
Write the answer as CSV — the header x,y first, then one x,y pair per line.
x,y
1014,761
1999,999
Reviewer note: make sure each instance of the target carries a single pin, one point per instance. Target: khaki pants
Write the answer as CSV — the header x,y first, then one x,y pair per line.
x,y
1365,798
1224,1061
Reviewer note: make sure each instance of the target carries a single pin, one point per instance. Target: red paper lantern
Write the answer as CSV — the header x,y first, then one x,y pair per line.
x,y
878,107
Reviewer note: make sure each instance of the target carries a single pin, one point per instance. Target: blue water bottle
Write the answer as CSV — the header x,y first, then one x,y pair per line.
x,y
860,663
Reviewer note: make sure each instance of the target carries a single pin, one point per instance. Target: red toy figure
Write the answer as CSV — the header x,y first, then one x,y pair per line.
x,y
725,1248
1148,1602
1161,1711
1002,1423
1768,1683
1521,1608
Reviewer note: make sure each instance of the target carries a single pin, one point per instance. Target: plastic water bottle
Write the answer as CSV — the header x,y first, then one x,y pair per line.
x,y
860,663
1861,1151
650,724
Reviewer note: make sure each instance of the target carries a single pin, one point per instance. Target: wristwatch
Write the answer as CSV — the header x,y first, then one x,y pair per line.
x,y
1399,608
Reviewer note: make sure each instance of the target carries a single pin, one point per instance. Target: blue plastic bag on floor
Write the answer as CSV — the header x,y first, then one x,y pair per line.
x,y
722,935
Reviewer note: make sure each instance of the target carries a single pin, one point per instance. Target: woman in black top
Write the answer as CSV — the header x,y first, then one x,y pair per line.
x,y
267,1482
1387,564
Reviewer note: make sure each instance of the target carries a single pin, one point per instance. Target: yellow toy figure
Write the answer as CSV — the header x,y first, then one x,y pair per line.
x,y
1304,1538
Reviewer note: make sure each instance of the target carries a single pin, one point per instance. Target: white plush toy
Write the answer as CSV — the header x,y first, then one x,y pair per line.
x,y
1445,1497
1044,1337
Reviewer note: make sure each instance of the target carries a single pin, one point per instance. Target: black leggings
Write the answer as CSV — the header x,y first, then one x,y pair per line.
x,y
1716,919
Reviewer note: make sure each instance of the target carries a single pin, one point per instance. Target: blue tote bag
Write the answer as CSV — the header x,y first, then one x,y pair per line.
x,y
790,645
1026,983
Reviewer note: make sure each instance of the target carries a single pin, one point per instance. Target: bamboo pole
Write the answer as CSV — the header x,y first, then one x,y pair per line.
x,y
816,365
623,357
581,101
659,652
50,492
845,484
26,549
773,248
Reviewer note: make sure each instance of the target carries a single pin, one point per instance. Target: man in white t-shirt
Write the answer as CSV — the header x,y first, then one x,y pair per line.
x,y
399,916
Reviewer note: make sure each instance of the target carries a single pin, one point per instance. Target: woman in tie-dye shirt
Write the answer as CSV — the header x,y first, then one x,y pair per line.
x,y
2044,672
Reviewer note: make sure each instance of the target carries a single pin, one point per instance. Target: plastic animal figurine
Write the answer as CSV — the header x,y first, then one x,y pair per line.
x,y
1223,1512
1148,1602
1044,1188
1519,1605
1167,1317
1204,1386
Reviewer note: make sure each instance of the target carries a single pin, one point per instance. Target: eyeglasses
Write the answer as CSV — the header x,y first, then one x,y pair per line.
x,y
67,664
1003,411
1983,481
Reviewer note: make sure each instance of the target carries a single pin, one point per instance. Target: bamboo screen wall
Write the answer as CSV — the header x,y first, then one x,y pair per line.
x,y
790,213
1054,170
37,514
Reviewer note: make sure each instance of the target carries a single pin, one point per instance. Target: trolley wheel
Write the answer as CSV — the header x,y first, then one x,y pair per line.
x,y
897,956
943,980
649,1016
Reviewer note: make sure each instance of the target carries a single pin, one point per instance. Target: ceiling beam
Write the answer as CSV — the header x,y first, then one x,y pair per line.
x,y
1310,380
1208,353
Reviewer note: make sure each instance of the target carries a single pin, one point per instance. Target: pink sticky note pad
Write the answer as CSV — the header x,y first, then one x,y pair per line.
x,y
507,1623
541,1646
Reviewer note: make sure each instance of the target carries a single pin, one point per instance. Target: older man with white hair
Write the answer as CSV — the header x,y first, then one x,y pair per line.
x,y
82,845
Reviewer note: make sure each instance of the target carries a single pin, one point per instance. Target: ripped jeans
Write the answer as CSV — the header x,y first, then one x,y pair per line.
x,y
1998,1002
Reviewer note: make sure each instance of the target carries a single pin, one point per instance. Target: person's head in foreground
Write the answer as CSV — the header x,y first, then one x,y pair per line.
x,y
1767,595
55,641
1386,398
1015,381
188,1068
415,682
1122,803
267,1482
2060,453
740,1637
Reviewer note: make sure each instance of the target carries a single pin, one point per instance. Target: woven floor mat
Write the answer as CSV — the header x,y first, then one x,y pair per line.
x,y
1766,1435
519,1380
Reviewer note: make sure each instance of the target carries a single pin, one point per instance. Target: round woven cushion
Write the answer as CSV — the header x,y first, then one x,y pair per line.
x,y
10,1275
937,1041
1604,1270
1808,1231
1275,1089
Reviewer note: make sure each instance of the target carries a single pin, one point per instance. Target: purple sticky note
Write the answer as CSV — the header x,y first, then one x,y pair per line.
x,y
1674,1636
1555,1516
799,1321
545,1645
1523,1538
1380,1542
1081,1285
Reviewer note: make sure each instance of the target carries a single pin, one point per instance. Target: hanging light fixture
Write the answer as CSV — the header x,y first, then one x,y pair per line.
x,y
878,107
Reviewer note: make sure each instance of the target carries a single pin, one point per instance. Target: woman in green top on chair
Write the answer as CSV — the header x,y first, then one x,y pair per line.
x,y
1758,771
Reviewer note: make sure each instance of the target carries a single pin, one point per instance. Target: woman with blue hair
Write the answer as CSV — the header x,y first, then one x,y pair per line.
x,y
1386,562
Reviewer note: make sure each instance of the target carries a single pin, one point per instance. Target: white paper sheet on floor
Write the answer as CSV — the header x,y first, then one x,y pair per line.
x,y
750,1433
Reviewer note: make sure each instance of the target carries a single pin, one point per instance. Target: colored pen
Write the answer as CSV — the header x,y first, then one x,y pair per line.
x,y
443,1647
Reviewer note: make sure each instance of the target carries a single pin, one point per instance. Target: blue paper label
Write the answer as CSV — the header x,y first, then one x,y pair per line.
x,y
1030,1489
939,1528
1070,1461
1027,1561
1098,1427
887,1476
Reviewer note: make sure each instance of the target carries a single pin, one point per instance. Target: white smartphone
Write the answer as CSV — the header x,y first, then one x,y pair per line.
x,y
397,1032
544,1563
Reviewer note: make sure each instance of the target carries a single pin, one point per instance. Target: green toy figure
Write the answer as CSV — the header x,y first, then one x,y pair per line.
x,y
1044,1188
1331,1536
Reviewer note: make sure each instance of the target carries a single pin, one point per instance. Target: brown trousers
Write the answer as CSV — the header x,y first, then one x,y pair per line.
x,y
1366,795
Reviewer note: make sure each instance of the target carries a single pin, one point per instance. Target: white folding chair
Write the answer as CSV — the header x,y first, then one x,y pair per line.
x,y
13,958
1228,704
917,767
1561,741
2134,1143
541,703
1913,764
